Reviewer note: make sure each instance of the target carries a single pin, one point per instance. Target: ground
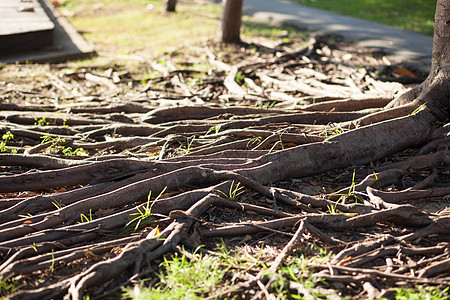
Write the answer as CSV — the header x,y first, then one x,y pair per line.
x,y
108,171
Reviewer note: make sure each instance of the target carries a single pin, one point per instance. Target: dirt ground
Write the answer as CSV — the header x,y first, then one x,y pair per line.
x,y
73,134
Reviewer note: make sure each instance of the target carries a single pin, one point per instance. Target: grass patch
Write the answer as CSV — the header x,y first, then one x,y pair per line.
x,y
420,292
131,26
412,15
183,279
120,29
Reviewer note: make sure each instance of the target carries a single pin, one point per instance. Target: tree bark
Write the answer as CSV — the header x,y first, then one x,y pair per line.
x,y
231,21
170,5
441,38
436,88
437,84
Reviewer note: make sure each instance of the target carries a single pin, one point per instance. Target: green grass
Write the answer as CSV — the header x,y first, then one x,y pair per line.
x,y
130,26
184,279
420,292
122,27
412,15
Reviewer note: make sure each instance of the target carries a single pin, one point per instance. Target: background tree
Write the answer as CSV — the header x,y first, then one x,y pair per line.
x,y
170,5
231,21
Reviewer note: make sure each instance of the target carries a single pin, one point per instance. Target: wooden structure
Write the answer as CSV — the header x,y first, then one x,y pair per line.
x,y
24,26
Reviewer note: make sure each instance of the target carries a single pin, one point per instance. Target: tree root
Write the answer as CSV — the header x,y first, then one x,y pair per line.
x,y
151,182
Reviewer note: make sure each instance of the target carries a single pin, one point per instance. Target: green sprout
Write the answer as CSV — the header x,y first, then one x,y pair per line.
x,y
233,192
255,140
52,266
280,132
78,151
351,193
240,78
68,151
189,144
8,136
215,129
41,122
265,105
7,286
84,218
419,108
146,212
327,133
57,205
3,147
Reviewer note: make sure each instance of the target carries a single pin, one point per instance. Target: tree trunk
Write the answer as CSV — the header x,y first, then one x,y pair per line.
x,y
435,90
231,21
441,38
170,5
437,84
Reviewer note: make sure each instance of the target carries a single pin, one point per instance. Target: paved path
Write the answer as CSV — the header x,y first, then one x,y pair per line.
x,y
401,46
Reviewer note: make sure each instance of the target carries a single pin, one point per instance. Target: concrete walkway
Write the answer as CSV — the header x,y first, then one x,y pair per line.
x,y
401,46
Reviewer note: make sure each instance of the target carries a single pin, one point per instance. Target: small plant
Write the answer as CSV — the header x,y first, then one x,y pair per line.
x,y
8,136
3,147
54,141
189,144
233,259
332,208
327,133
7,286
351,193
375,180
421,292
240,78
52,266
234,192
265,105
215,129
256,140
55,145
77,152
57,205
144,213
280,133
280,141
84,218
419,108
41,122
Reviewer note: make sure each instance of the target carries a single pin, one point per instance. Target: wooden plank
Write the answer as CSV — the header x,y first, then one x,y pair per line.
x,y
67,43
24,25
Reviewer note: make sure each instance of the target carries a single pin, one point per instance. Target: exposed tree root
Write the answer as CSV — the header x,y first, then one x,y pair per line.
x,y
150,179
